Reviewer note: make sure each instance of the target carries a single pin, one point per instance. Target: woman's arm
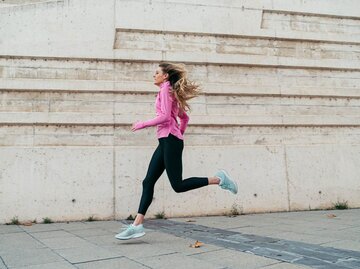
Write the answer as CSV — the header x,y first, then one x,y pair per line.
x,y
184,119
164,115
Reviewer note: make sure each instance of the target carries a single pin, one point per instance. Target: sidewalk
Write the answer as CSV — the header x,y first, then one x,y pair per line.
x,y
310,239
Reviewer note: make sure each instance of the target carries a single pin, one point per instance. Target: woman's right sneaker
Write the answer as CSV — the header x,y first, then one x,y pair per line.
x,y
131,232
226,182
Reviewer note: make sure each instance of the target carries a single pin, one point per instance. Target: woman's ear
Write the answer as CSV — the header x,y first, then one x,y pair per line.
x,y
166,75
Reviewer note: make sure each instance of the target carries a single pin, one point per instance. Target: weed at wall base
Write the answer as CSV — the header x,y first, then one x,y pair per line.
x,y
341,205
160,215
47,220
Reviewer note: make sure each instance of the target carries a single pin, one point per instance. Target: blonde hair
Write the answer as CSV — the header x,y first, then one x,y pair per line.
x,y
182,88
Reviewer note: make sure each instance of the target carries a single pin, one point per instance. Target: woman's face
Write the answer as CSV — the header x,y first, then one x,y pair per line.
x,y
159,76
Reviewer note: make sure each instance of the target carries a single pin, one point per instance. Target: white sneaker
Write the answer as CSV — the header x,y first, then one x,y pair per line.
x,y
130,232
226,182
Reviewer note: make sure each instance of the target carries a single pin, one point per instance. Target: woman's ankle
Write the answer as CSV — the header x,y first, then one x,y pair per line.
x,y
214,180
138,220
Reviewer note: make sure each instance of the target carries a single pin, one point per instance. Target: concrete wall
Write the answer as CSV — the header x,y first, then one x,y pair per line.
x,y
280,109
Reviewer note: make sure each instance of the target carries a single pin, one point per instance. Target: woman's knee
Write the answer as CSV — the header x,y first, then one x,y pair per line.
x,y
178,188
147,183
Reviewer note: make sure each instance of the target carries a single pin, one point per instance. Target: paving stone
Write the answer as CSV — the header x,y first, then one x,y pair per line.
x,y
339,235
275,254
104,240
5,229
177,261
123,263
18,241
41,228
72,226
66,242
50,234
27,257
345,244
53,265
314,263
131,249
263,231
350,263
113,226
304,237
301,249
176,244
91,232
285,265
232,259
86,253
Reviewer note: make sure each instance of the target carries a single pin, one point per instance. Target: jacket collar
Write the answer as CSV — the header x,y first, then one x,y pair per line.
x,y
165,83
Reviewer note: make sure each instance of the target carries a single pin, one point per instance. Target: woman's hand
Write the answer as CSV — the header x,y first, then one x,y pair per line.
x,y
137,126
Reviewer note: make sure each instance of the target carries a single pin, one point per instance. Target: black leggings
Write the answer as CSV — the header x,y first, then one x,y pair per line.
x,y
168,155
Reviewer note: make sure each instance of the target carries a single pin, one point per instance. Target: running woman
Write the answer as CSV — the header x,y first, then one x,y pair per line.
x,y
171,103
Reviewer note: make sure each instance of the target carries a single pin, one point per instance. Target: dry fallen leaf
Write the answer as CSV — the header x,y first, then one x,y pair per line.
x,y
190,220
197,244
29,223
331,216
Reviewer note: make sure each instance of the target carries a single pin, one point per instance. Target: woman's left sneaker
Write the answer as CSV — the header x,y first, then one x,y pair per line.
x,y
226,182
131,232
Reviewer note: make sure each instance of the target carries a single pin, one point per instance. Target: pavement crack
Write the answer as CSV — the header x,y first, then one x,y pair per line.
x,y
1,259
97,260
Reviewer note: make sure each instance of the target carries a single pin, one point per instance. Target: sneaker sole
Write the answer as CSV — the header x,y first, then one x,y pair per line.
x,y
130,237
226,174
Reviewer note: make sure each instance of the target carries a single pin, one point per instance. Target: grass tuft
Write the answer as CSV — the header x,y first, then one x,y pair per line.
x,y
160,215
14,221
341,205
47,220
91,218
130,217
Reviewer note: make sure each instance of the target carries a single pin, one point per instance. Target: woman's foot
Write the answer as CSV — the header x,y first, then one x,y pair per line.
x,y
131,232
226,182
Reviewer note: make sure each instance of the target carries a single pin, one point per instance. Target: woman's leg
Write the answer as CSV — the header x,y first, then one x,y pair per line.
x,y
155,170
173,147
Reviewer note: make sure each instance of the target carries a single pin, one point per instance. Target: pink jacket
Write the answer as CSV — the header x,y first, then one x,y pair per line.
x,y
167,110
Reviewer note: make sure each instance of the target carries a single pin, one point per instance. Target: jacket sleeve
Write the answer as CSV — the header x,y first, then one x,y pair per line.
x,y
184,119
164,115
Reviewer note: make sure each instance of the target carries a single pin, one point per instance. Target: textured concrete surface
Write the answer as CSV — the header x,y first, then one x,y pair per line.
x,y
273,240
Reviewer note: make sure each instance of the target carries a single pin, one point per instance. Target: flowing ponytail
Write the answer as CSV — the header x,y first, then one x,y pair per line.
x,y
182,88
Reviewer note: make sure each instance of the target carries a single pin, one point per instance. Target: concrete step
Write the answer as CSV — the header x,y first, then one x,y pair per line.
x,y
70,74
